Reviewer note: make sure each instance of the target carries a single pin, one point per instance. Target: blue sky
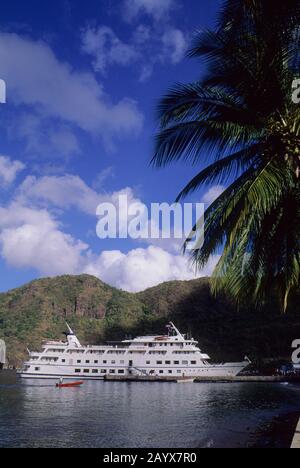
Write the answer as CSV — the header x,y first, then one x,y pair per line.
x,y
83,81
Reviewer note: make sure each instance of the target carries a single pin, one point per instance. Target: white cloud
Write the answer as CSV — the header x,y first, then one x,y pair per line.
x,y
35,77
175,45
212,194
9,170
142,34
158,9
143,268
66,192
44,137
71,192
146,47
106,48
64,141
31,238
102,177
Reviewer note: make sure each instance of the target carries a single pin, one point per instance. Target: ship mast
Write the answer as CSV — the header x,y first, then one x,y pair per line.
x,y
176,331
72,338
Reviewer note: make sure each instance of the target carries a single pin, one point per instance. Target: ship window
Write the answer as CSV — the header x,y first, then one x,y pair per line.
x,y
179,372
78,362
87,362
158,362
147,362
168,362
95,362
161,371
86,371
77,371
37,368
113,362
120,371
185,363
104,362
63,360
176,363
170,372
193,362
112,371
103,371
95,371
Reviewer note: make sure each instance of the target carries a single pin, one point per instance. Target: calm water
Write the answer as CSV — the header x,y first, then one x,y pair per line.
x,y
162,415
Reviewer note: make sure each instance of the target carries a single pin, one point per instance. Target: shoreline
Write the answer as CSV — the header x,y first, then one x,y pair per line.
x,y
277,433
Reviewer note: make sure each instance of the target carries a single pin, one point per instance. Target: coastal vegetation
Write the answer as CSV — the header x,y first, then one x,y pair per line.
x,y
240,118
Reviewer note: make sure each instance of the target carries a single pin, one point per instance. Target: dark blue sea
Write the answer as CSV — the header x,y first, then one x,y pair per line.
x,y
152,415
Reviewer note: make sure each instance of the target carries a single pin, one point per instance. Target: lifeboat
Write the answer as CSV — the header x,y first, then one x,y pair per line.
x,y
69,385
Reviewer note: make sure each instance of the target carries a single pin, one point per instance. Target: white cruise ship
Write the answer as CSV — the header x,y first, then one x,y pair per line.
x,y
170,355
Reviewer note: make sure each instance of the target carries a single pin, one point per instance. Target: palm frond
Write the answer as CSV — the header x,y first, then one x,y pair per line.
x,y
240,125
223,169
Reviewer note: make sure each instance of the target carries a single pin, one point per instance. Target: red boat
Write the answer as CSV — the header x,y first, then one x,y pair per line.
x,y
70,384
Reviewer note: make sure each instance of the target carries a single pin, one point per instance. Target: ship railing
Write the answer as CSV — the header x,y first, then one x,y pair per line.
x,y
33,355
55,343
138,347
97,347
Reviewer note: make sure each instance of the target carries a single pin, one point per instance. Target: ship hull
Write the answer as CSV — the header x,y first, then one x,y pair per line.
x,y
210,371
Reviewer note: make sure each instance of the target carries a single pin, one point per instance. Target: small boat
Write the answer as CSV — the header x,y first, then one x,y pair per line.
x,y
68,385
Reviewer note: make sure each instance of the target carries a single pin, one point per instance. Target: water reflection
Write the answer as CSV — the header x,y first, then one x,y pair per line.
x,y
107,414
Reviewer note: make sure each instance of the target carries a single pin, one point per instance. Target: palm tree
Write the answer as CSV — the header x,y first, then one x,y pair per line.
x,y
241,119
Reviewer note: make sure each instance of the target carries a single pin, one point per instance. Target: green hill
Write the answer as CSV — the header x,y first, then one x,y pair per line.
x,y
98,312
